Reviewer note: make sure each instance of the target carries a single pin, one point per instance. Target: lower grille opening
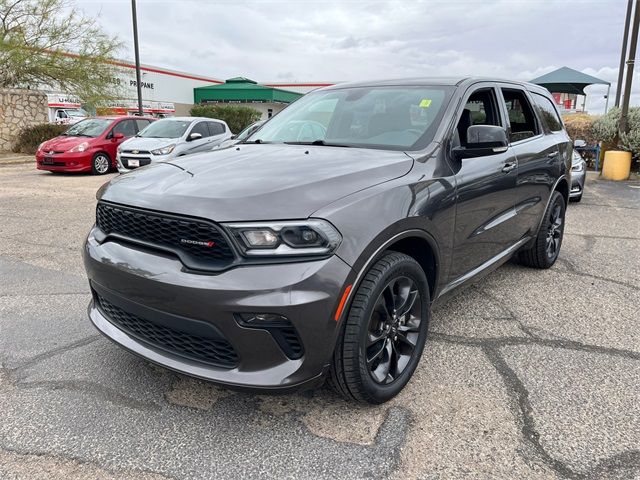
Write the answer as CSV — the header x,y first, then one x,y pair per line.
x,y
216,352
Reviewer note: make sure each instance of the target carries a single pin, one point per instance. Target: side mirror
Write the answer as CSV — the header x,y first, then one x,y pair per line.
x,y
118,136
483,140
194,136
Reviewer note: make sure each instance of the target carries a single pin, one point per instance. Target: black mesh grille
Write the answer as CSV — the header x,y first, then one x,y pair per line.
x,y
199,244
218,352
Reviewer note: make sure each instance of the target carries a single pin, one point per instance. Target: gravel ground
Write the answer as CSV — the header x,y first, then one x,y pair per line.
x,y
527,374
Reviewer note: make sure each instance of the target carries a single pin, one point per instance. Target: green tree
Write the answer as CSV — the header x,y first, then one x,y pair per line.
x,y
50,44
237,116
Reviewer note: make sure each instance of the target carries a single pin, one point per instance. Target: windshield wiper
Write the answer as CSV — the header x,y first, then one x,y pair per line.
x,y
319,142
257,140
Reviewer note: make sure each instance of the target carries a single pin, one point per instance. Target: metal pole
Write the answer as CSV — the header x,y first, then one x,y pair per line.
x,y
623,54
606,103
137,54
623,127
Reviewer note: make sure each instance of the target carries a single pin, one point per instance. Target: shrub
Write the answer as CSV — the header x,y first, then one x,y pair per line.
x,y
30,137
238,117
580,126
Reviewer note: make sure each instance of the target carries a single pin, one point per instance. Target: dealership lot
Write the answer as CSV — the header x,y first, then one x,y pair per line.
x,y
527,374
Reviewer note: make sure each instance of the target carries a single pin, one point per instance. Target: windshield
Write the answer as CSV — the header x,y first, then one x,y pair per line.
x,y
76,113
389,117
166,128
92,127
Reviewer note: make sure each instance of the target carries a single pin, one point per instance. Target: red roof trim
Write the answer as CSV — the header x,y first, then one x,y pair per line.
x,y
298,84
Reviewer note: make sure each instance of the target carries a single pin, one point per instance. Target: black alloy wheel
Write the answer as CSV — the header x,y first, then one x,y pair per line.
x,y
543,251
394,328
384,332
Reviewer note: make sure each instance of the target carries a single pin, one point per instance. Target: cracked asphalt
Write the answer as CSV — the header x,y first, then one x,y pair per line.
x,y
527,374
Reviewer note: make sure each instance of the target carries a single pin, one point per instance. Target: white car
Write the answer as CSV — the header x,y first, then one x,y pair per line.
x,y
169,138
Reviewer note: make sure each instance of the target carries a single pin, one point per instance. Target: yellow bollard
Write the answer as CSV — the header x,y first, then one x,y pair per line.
x,y
617,165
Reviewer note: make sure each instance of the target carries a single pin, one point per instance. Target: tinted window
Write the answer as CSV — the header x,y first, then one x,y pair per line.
x,y
126,128
216,128
389,117
521,117
92,127
481,109
166,128
201,128
548,112
142,124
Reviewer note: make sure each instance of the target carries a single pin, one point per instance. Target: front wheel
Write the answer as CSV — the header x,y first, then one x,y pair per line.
x,y
384,333
544,252
100,164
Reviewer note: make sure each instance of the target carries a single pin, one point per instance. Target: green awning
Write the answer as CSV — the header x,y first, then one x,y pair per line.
x,y
567,80
244,90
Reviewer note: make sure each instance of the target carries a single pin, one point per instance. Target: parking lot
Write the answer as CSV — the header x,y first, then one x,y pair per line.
x,y
527,374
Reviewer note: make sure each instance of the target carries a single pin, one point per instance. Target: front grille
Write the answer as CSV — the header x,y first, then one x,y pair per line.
x,y
137,152
217,352
200,244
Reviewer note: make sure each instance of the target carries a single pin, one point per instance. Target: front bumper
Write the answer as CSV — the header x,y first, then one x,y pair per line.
x,y
156,288
577,183
64,162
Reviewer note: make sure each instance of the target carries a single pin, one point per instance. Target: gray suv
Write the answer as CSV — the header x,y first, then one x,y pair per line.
x,y
315,249
170,138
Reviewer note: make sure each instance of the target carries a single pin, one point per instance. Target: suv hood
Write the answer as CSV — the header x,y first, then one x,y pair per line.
x,y
256,182
142,143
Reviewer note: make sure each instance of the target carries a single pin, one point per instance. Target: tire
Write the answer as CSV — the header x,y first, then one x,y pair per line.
x,y
546,247
100,164
358,370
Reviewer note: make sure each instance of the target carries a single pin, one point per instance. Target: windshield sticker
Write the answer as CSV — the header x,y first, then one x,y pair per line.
x,y
425,102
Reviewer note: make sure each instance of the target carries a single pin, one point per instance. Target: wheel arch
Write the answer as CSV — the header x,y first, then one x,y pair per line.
x,y
563,187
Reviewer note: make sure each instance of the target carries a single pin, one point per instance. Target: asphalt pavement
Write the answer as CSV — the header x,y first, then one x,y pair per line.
x,y
527,374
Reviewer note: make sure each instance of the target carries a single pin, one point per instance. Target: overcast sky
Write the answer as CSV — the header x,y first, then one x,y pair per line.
x,y
331,40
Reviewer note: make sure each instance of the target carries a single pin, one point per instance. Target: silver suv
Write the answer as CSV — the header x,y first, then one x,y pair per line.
x,y
169,138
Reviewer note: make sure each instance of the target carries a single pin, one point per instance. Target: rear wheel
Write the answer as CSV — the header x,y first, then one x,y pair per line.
x,y
384,333
546,247
100,164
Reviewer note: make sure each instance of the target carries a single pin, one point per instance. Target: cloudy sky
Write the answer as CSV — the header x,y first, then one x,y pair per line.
x,y
333,40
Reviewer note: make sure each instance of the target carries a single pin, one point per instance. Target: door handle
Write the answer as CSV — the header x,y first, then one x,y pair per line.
x,y
509,166
553,154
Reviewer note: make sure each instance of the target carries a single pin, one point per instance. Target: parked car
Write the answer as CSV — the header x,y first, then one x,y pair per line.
x,y
293,258
169,138
242,136
578,176
89,145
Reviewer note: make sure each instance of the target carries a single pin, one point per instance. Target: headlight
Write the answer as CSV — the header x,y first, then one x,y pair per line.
x,y
164,150
299,238
80,148
578,167
40,146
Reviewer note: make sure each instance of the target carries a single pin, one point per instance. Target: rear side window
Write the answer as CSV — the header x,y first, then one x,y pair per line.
x,y
216,128
521,117
201,128
548,112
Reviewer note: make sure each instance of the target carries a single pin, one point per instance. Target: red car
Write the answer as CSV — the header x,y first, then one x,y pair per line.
x,y
89,145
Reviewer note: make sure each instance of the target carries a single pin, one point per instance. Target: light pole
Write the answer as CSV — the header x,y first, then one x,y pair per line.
x,y
623,127
137,54
623,54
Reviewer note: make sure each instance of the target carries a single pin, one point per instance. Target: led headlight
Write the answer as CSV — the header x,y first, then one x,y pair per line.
x,y
164,150
295,237
578,167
